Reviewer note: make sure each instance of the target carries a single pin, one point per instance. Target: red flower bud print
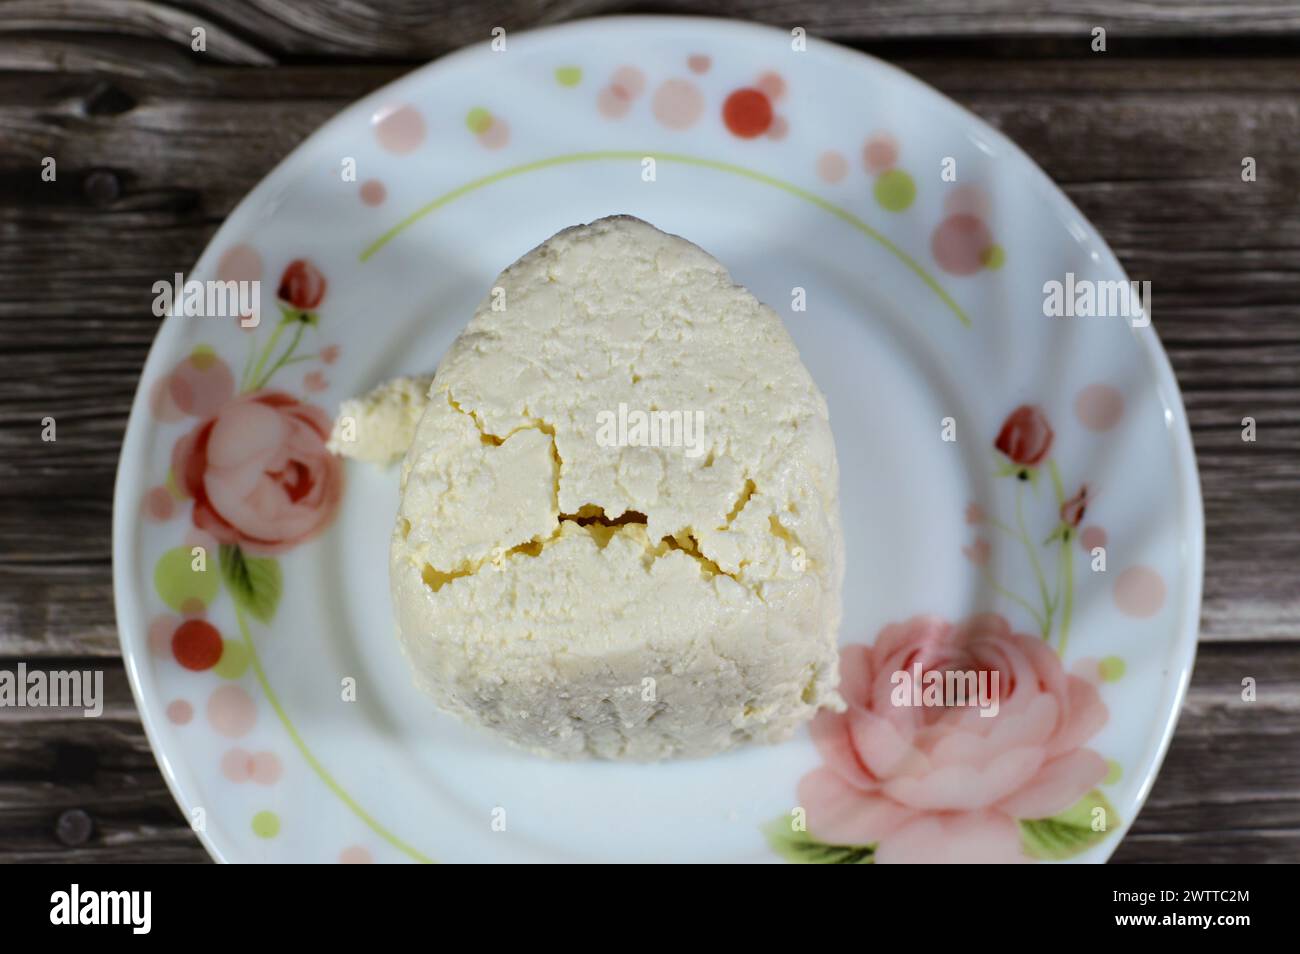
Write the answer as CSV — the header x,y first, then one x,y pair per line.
x,y
302,286
1072,510
1026,437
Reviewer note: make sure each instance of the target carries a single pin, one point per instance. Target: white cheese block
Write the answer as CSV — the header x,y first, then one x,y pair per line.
x,y
584,584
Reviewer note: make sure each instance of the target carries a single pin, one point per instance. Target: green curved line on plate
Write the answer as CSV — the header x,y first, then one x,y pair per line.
x,y
824,204
319,769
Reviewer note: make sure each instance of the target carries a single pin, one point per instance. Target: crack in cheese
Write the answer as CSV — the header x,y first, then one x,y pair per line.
x,y
633,602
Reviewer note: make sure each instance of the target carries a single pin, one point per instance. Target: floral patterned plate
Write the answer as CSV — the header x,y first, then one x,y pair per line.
x,y
1019,492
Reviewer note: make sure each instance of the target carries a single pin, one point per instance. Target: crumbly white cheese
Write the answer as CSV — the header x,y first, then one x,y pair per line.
x,y
379,426
583,598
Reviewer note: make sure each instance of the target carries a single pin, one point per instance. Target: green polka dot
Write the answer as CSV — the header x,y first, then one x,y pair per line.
x,y
234,660
266,824
568,75
1113,772
995,256
1111,668
478,120
177,582
895,190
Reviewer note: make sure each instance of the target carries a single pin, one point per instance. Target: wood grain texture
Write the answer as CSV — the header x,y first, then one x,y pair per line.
x,y
245,31
1148,147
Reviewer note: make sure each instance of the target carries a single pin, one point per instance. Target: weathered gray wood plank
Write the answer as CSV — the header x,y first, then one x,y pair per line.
x,y
249,31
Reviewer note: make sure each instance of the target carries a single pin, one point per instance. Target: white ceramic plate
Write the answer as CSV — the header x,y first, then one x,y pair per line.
x,y
272,688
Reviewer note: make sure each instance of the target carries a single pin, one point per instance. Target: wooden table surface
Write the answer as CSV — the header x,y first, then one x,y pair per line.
x,y
156,144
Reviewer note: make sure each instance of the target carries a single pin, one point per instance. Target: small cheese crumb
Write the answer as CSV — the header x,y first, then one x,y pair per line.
x,y
379,426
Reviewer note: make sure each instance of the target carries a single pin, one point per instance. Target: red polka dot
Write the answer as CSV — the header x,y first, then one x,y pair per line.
x,y
747,113
196,644
960,243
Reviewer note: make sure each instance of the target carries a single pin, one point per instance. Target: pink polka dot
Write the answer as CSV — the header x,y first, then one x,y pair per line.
x,y
399,129
678,103
237,765
161,629
613,102
497,134
772,84
630,80
699,63
1139,592
179,712
356,855
968,200
201,384
265,768
978,552
239,263
373,192
779,128
161,403
159,504
832,166
1092,537
880,154
960,243
314,381
1099,407
231,711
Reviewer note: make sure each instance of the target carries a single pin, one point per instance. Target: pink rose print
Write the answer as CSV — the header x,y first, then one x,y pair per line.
x,y
943,783
259,473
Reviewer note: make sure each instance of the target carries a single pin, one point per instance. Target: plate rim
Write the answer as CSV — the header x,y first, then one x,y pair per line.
x,y
1192,563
